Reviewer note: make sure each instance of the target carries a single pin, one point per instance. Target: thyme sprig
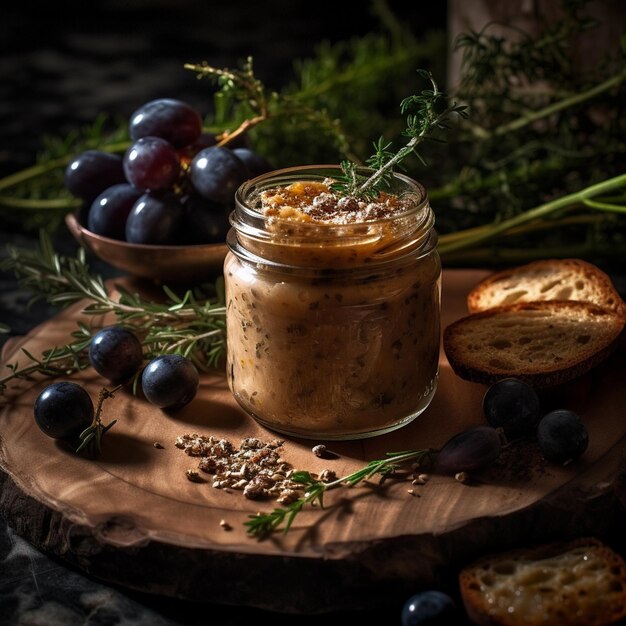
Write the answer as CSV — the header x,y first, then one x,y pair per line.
x,y
426,113
236,85
192,324
90,439
263,524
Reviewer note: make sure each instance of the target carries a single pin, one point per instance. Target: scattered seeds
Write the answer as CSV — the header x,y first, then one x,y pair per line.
x,y
255,468
194,476
323,452
462,477
328,476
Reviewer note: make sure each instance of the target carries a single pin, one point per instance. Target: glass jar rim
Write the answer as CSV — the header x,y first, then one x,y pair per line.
x,y
262,241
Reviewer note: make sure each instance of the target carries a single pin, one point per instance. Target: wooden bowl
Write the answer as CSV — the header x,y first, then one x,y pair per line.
x,y
162,264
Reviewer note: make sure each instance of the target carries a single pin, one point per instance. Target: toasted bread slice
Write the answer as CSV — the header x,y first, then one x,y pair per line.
x,y
552,279
577,583
544,343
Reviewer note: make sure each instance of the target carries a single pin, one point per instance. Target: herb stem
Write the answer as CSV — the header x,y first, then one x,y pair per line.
x,y
44,168
261,525
208,335
39,203
465,239
373,180
91,437
534,116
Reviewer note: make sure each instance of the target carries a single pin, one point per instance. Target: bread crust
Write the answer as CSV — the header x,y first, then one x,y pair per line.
x,y
540,375
581,606
604,293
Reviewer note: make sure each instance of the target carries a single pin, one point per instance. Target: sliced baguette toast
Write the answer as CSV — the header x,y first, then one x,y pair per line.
x,y
577,583
551,279
544,343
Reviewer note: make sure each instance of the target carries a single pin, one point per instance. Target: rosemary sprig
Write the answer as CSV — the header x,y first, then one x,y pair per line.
x,y
91,438
263,524
426,113
192,324
56,361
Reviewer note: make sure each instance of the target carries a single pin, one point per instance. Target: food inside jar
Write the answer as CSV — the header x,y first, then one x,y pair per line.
x,y
333,330
333,356
301,229
312,201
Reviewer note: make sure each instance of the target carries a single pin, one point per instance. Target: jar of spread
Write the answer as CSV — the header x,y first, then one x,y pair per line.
x,y
332,304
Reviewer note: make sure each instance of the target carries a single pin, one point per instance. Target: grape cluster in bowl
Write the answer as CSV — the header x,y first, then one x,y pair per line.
x,y
173,186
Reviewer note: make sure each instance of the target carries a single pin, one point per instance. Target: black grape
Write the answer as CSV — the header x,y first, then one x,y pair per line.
x,y
115,353
562,436
253,161
513,405
151,163
155,219
170,381
205,140
469,450
110,210
216,173
63,410
429,608
205,221
91,172
173,120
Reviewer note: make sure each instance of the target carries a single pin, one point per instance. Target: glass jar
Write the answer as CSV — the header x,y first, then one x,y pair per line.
x,y
333,330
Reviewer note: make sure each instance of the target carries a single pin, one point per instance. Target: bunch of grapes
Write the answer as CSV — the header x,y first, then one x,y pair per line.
x,y
173,186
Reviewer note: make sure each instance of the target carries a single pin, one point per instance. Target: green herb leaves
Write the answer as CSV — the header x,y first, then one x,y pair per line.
x,y
426,113
263,524
192,325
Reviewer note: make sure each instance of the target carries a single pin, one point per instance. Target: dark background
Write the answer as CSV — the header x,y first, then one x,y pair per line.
x,y
61,64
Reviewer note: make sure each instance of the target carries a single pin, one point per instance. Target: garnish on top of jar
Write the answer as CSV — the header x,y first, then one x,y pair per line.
x,y
311,201
358,195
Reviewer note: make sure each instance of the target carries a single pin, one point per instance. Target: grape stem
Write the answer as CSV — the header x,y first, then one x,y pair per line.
x,y
246,125
91,438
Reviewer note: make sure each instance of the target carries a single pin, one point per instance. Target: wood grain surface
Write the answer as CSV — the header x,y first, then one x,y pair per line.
x,y
131,516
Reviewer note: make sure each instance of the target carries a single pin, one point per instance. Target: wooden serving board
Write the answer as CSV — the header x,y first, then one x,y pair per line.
x,y
133,518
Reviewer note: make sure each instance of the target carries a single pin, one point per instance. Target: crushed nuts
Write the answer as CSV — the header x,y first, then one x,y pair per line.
x,y
193,476
158,445
328,476
225,525
255,468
